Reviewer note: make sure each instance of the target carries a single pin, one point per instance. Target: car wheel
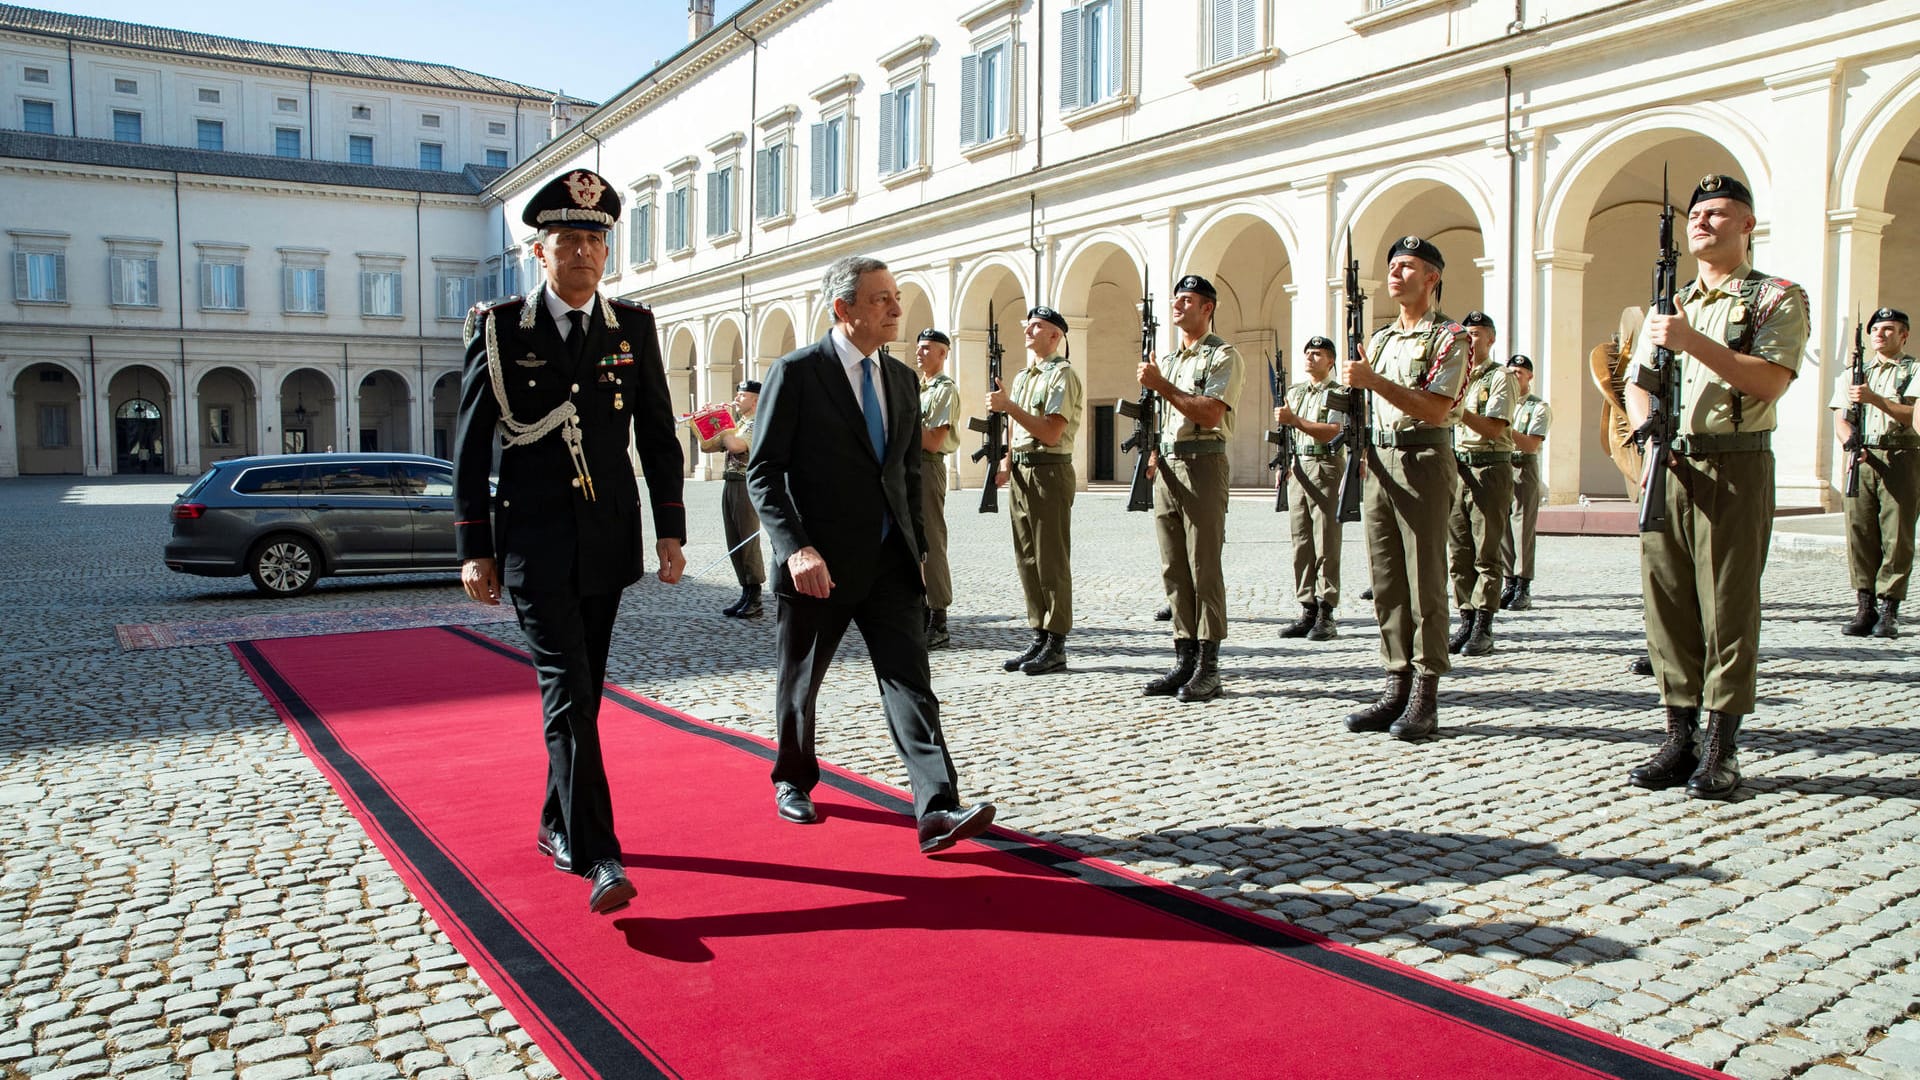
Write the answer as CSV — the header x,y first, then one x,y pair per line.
x,y
284,565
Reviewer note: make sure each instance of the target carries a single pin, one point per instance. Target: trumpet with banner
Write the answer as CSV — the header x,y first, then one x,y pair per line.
x,y
710,421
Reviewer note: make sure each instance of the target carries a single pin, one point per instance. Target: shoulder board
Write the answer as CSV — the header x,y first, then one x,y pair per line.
x,y
484,308
631,305
1455,329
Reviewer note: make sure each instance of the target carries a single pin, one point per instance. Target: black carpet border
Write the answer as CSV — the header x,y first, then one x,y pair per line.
x,y
593,1037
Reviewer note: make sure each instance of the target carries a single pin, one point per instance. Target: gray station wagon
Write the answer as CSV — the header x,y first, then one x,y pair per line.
x,y
288,520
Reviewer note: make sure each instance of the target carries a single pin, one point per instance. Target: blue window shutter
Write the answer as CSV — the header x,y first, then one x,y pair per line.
x,y
889,153
320,289
762,183
820,162
970,99
1070,97
714,227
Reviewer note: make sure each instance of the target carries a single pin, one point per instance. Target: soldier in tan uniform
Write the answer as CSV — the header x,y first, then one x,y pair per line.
x,y
1737,340
1315,410
1483,455
1531,422
1197,387
741,524
1880,518
939,436
1045,400
1416,369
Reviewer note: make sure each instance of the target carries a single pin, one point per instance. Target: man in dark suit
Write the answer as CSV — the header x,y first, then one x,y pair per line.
x,y
835,475
558,381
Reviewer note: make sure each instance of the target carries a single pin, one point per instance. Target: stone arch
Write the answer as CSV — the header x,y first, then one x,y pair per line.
x,y
726,357
446,412
383,406
229,404
142,418
1395,201
916,313
1099,289
775,336
309,419
996,281
1088,255
50,419
683,385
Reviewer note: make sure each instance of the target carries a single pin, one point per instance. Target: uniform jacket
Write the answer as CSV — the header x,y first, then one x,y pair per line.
x,y
813,476
546,533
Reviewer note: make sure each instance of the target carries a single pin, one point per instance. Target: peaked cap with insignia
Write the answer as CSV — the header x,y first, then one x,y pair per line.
x,y
576,199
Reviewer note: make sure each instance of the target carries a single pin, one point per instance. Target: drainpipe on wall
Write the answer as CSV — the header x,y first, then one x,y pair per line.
x,y
73,98
186,452
309,115
93,398
752,168
1033,242
179,257
1513,211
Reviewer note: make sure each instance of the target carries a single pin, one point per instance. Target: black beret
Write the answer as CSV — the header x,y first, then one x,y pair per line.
x,y
1478,318
1720,186
576,199
1318,342
1047,314
1520,360
751,386
935,336
1422,249
1887,314
1197,285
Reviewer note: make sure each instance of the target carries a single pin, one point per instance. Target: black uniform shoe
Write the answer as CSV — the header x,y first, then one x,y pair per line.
x,y
1205,684
1640,665
1864,615
1186,654
1459,639
748,606
1323,624
611,889
941,829
1889,624
1719,771
1507,590
1480,641
937,635
1380,715
1052,656
1522,595
1165,614
553,844
793,804
1676,758
1366,593
1422,718
1033,649
1300,626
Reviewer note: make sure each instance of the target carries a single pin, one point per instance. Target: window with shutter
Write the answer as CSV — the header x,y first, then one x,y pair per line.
x,y
40,277
970,99
1070,60
889,153
821,162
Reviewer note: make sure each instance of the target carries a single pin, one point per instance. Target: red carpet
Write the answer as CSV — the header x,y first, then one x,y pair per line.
x,y
758,948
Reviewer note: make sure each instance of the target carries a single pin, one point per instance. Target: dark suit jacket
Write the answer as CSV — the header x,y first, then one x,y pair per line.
x,y
546,533
812,473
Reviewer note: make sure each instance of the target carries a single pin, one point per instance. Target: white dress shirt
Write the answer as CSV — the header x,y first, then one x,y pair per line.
x,y
558,308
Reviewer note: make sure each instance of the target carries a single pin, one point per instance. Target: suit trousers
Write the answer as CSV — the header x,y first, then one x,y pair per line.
x,y
1701,580
933,526
1516,547
740,521
1041,506
1313,513
1474,532
892,619
569,636
1190,520
1880,522
1410,493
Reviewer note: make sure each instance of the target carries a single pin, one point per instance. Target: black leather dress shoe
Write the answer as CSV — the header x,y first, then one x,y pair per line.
x,y
941,829
554,844
793,804
611,889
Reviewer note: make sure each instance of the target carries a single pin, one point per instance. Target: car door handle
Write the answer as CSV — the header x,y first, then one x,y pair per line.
x,y
320,506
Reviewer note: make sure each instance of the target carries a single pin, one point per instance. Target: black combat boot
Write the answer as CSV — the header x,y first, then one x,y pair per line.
x,y
1366,593
732,610
1380,715
1323,625
1300,626
1205,684
1676,758
1522,595
1719,771
749,606
1459,639
1640,665
1422,717
1864,615
1508,588
1186,653
1480,641
1033,649
1052,656
1165,614
1889,624
937,635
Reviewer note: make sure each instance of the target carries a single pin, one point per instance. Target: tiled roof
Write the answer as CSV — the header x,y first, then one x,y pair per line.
x,y
20,144
357,65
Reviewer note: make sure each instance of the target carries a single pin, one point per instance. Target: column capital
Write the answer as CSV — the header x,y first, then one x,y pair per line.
x,y
1812,79
1562,259
1861,219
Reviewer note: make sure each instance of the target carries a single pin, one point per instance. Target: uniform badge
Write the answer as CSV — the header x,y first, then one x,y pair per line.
x,y
585,188
1710,182
619,403
531,361
1739,313
608,377
625,348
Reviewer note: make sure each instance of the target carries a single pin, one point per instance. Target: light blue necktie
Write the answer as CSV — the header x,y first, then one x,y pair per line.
x,y
870,404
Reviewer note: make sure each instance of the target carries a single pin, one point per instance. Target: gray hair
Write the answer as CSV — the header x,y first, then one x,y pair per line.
x,y
843,277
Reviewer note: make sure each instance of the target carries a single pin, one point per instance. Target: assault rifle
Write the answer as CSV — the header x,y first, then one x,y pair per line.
x,y
1856,414
1144,413
1353,433
1655,376
994,427
1282,439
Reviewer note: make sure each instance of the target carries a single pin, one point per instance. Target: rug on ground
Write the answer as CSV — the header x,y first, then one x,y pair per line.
x,y
174,635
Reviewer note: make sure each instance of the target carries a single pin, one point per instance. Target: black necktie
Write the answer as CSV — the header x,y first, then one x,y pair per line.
x,y
577,338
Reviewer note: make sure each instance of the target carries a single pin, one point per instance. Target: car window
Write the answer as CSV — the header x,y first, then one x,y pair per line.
x,y
271,480
198,484
430,481
357,478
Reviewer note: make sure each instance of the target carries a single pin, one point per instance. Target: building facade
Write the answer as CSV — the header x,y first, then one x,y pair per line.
x,y
220,247
1082,152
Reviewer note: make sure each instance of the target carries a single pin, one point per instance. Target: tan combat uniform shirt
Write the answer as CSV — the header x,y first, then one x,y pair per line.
x,y
1533,417
1433,356
1492,392
1775,306
1308,400
1208,368
1895,380
1045,388
940,407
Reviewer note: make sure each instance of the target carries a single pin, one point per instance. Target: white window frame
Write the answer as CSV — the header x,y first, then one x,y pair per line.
x,y
456,288
643,222
383,284
773,168
831,143
62,438
1379,13
360,113
219,425
139,121
1250,37
223,256
723,189
43,76
43,255
905,149
303,279
290,105
496,127
300,140
506,157
207,95
199,133
676,231
430,120
1121,48
130,87
133,272
53,118
372,149
440,151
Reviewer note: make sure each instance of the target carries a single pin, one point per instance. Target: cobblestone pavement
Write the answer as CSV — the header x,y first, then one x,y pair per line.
x,y
181,894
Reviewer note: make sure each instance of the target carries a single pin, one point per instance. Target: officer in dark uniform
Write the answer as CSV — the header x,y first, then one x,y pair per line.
x,y
557,383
